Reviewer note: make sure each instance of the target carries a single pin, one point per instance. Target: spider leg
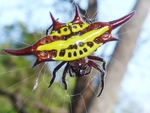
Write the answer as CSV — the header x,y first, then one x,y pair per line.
x,y
96,66
54,72
70,73
98,59
64,76
47,30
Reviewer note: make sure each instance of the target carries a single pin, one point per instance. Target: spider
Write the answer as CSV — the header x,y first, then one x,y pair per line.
x,y
73,43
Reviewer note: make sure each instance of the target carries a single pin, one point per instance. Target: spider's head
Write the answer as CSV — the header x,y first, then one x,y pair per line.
x,y
107,36
79,68
83,70
80,71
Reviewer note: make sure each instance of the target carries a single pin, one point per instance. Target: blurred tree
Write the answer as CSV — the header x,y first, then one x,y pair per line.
x,y
78,106
120,58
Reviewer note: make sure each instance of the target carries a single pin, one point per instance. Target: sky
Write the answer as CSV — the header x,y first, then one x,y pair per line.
x,y
35,15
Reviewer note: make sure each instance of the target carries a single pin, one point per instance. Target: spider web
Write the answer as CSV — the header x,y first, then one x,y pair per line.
x,y
28,86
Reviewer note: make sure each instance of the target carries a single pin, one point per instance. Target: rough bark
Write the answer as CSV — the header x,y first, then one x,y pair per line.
x,y
121,56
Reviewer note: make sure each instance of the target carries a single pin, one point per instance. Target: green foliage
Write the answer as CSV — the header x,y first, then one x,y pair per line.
x,y
17,77
5,105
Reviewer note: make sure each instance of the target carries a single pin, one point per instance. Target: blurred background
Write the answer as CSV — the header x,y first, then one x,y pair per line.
x,y
23,89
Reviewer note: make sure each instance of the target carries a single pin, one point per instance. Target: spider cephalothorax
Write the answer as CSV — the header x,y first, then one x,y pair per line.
x,y
73,43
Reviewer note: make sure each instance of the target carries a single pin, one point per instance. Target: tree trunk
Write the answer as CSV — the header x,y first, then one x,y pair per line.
x,y
121,56
82,100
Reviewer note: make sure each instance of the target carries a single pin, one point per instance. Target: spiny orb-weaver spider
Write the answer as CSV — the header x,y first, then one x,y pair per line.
x,y
73,43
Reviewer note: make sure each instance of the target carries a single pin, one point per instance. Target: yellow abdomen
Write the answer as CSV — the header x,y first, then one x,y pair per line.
x,y
76,46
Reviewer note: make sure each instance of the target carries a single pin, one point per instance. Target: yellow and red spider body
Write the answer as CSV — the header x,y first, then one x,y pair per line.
x,y
73,43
